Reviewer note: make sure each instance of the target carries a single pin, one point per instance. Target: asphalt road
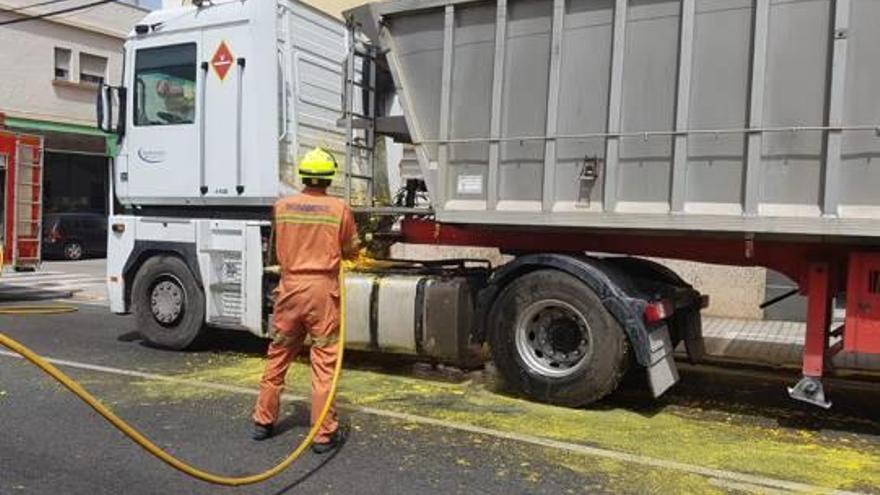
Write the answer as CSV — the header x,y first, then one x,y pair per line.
x,y
730,432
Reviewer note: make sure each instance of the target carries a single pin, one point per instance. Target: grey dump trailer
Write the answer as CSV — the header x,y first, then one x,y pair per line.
x,y
741,132
707,115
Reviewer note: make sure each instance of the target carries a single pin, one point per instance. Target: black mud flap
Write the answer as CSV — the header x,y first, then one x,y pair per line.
x,y
662,372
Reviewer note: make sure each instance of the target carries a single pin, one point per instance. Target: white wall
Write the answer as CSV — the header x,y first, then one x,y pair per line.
x,y
28,88
114,19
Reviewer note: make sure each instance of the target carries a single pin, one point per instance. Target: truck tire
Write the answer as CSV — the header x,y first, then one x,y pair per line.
x,y
553,341
168,304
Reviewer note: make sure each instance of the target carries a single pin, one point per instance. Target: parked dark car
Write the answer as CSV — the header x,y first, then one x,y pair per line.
x,y
74,236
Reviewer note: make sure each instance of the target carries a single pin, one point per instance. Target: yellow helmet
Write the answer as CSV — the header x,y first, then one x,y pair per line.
x,y
318,164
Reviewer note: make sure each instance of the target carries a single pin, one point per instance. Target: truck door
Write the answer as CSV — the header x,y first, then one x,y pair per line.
x,y
226,79
163,152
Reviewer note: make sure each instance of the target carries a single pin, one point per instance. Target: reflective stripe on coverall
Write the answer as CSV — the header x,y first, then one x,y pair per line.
x,y
311,230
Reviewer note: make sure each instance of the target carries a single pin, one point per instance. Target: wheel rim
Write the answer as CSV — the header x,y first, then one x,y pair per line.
x,y
73,251
553,338
167,300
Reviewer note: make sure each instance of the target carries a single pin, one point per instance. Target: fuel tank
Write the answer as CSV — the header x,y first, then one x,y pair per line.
x,y
418,314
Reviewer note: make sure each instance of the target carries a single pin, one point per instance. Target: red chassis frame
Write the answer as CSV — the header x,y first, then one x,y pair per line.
x,y
819,268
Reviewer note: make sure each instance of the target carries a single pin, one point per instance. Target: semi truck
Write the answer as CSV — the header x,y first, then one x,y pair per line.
x,y
580,137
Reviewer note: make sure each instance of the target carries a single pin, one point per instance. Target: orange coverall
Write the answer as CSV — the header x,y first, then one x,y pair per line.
x,y
313,232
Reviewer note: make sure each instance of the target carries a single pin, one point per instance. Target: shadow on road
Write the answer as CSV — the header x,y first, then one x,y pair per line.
x,y
311,472
759,396
299,419
220,341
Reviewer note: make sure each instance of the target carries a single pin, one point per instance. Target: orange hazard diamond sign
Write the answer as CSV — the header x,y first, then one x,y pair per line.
x,y
222,60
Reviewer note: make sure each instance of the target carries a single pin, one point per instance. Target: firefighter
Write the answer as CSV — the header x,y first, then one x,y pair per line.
x,y
313,232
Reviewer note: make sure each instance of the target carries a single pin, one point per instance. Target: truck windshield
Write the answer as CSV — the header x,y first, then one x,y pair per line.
x,y
165,85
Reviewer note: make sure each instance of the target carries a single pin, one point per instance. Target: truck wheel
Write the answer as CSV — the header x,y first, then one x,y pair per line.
x,y
552,340
168,304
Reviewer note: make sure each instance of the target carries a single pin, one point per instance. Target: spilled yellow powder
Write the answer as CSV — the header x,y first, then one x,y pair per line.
x,y
675,433
365,262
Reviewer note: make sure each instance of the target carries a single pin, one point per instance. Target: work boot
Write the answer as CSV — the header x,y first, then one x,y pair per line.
x,y
262,432
336,440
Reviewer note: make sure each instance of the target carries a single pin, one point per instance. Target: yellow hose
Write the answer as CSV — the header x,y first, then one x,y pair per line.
x,y
143,441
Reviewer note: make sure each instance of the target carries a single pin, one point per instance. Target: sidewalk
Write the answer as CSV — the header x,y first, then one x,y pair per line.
x,y
770,343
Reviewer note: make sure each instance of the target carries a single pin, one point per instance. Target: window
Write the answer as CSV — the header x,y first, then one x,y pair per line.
x,y
97,223
165,85
62,64
92,68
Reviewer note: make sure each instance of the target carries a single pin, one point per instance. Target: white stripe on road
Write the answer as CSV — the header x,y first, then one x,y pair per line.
x,y
66,284
14,274
51,280
88,299
83,298
43,280
712,473
32,277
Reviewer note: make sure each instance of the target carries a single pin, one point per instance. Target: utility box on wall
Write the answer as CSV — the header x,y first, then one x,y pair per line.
x,y
862,332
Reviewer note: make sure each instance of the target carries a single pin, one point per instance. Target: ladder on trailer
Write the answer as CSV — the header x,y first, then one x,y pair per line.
x,y
360,121
27,206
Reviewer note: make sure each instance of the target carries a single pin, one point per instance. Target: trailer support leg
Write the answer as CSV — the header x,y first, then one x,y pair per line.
x,y
816,353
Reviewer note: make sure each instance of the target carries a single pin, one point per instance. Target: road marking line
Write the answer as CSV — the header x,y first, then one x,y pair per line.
x,y
73,285
43,283
14,274
91,299
77,299
719,474
40,278
51,284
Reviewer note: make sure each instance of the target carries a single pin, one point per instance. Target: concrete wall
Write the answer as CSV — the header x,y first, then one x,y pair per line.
x,y
792,309
734,292
27,59
430,252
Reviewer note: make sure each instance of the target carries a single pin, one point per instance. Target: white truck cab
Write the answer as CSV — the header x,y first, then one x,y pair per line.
x,y
216,103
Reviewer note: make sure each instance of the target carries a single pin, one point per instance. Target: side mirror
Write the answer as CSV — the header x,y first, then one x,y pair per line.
x,y
104,108
110,109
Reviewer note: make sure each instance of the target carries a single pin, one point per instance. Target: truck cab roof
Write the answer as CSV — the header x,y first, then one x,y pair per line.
x,y
187,17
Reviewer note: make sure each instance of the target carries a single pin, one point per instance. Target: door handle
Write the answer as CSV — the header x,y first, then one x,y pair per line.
x,y
239,167
203,184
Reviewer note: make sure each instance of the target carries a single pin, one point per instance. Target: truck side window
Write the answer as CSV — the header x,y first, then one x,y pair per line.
x,y
165,85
